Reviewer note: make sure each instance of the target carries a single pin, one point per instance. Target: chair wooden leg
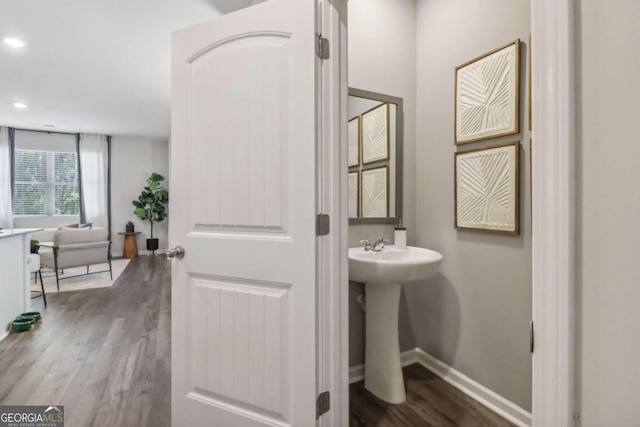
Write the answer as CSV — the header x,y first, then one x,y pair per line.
x,y
110,270
44,296
57,280
87,269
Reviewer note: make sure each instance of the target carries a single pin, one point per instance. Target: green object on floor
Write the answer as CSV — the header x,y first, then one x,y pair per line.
x,y
21,325
32,315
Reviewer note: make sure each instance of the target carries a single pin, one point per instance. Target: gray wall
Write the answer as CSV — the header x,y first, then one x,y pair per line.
x,y
132,161
608,206
382,58
474,315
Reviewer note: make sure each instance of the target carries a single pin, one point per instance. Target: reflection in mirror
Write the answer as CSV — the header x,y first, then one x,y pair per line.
x,y
374,158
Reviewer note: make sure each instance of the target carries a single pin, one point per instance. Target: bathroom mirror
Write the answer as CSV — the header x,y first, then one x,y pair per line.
x,y
375,137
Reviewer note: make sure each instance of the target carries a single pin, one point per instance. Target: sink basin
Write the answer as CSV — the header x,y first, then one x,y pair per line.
x,y
393,265
383,274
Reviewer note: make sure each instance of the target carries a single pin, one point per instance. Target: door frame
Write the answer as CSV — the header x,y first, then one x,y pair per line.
x,y
554,225
553,192
333,310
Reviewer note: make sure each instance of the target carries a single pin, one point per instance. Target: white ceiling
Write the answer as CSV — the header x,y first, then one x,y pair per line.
x,y
95,66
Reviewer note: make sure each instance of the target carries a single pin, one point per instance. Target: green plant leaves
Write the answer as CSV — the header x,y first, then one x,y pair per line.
x,y
161,196
141,213
151,203
156,177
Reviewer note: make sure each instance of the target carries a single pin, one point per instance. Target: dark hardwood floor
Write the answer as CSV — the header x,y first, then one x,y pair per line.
x,y
431,401
105,354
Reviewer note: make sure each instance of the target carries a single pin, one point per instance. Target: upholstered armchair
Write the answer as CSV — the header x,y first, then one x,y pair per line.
x,y
73,247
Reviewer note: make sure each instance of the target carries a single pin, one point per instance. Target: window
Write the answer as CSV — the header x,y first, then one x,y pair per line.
x,y
46,183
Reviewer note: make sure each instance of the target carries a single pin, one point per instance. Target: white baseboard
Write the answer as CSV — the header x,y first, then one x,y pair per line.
x,y
477,391
356,373
474,389
4,335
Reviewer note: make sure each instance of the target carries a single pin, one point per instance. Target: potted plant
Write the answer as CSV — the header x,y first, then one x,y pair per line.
x,y
130,228
35,247
152,206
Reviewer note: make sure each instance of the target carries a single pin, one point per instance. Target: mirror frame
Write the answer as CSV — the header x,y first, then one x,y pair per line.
x,y
399,154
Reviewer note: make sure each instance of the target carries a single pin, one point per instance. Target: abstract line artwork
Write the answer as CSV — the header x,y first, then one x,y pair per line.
x,y
354,194
487,98
375,134
354,142
375,193
487,189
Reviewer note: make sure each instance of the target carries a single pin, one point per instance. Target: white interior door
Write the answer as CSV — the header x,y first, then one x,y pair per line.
x,y
243,194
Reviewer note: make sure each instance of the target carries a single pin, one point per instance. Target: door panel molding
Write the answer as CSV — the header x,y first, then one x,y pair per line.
x,y
241,348
238,37
241,177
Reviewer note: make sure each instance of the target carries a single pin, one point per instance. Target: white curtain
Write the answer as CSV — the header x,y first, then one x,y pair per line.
x,y
6,208
93,154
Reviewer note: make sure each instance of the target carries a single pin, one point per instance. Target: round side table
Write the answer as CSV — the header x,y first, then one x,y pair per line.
x,y
130,246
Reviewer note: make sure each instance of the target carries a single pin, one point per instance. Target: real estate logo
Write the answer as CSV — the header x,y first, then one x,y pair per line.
x,y
31,416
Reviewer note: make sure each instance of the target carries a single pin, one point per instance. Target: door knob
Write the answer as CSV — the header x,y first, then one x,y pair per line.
x,y
177,252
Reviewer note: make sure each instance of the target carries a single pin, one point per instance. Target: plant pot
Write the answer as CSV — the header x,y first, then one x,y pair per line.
x,y
130,228
35,247
152,244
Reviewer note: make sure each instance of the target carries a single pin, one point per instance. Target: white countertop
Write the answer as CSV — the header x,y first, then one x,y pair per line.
x,y
17,232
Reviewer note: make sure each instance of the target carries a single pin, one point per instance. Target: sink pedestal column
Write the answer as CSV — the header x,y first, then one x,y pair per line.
x,y
382,367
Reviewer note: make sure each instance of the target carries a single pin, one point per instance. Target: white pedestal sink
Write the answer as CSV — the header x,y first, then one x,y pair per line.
x,y
383,274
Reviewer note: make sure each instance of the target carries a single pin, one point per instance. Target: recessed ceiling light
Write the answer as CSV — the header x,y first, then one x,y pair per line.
x,y
14,42
19,105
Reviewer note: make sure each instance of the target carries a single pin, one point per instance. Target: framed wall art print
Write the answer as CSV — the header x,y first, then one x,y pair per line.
x,y
487,189
375,134
487,98
375,193
354,194
354,142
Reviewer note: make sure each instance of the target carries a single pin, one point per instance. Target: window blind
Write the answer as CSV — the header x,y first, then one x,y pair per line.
x,y
46,183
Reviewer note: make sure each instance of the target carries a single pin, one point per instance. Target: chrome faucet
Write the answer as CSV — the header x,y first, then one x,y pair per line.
x,y
377,246
367,244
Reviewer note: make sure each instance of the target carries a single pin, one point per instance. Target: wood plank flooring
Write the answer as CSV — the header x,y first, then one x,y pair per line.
x,y
105,354
431,401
